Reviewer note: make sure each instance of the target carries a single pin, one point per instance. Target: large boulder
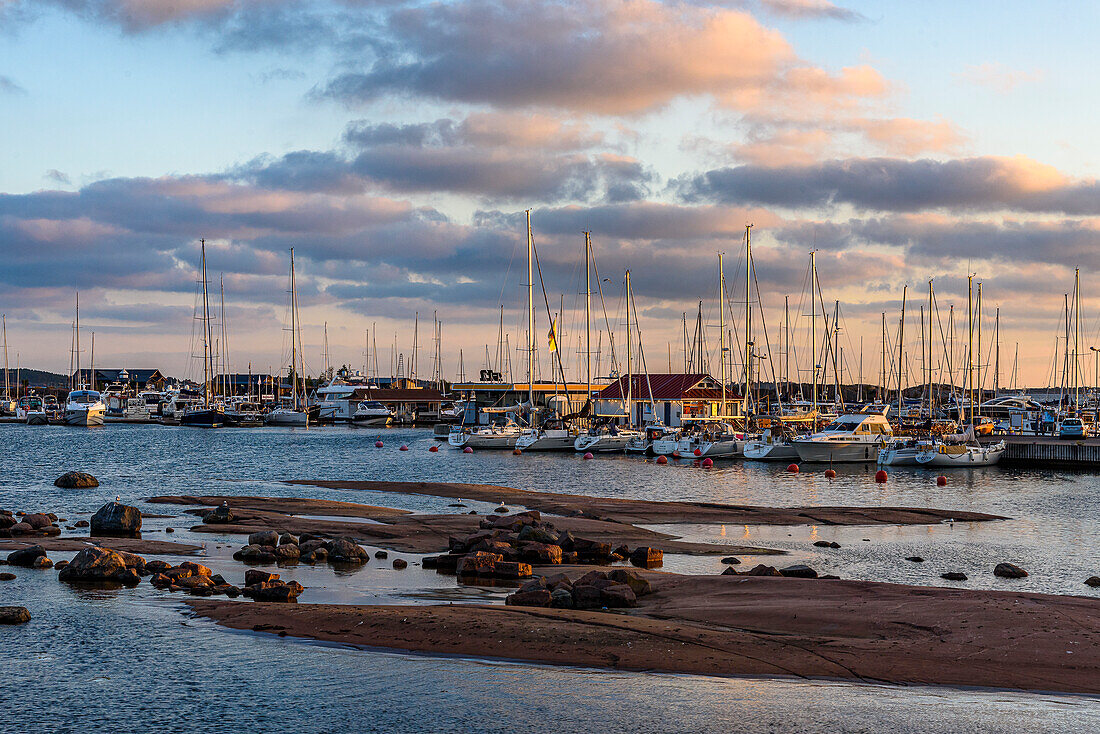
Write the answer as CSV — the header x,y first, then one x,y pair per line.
x,y
647,557
540,553
26,557
478,564
534,598
345,550
762,570
637,584
220,515
1009,571
38,520
799,571
117,519
14,615
618,596
76,480
98,565
264,537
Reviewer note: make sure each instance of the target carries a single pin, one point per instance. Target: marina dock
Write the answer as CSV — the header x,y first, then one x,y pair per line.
x,y
1049,451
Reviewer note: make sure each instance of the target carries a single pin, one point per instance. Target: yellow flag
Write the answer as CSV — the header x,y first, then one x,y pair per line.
x,y
552,337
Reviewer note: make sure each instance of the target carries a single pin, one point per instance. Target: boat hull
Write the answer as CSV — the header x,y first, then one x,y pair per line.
x,y
547,442
761,451
499,441
602,444
84,417
973,457
208,418
837,452
37,419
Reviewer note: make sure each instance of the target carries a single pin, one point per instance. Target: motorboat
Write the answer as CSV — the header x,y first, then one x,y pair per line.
x,y
850,438
547,439
288,416
241,411
84,408
371,413
770,447
605,439
32,410
201,416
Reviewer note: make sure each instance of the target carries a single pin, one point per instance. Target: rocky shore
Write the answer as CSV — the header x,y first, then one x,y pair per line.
x,y
742,625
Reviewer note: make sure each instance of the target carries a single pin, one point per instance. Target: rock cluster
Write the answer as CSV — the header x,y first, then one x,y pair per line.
x,y
94,565
32,557
76,480
23,524
194,578
595,590
219,515
117,520
265,586
507,547
267,546
797,571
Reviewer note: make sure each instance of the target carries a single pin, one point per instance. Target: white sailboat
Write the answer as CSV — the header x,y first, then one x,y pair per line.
x,y
770,446
83,407
296,414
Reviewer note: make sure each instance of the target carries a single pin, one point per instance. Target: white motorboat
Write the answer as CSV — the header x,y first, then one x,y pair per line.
x,y
605,440
371,413
485,437
32,410
547,439
851,438
770,447
84,408
944,455
288,416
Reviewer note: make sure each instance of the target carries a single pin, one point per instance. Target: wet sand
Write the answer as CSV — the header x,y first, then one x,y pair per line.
x,y
649,512
130,545
402,531
729,625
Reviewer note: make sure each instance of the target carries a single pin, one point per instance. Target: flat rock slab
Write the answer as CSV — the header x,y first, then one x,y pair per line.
x,y
283,505
732,625
403,531
129,545
652,512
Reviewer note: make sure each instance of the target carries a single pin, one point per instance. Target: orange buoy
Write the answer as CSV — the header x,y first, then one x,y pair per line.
x,y
941,481
662,460
433,448
675,455
707,463
377,444
516,452
468,450
792,468
403,448
698,452
588,455
880,476
830,474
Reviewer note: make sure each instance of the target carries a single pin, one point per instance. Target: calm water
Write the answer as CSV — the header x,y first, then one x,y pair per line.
x,y
133,661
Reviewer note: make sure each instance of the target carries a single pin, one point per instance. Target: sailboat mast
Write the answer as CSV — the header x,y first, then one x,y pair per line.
x,y
931,318
970,343
813,328
7,387
901,347
629,358
1076,337
977,410
530,316
787,340
997,358
293,334
207,338
748,321
79,378
588,316
882,359
722,327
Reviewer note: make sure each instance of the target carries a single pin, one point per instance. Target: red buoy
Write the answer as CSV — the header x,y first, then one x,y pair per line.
x,y
403,448
830,474
880,476
468,450
433,448
675,455
707,463
792,468
698,452
662,460
377,444
589,455
516,452
941,481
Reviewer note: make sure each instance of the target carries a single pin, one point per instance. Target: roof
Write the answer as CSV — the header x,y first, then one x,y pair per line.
x,y
675,387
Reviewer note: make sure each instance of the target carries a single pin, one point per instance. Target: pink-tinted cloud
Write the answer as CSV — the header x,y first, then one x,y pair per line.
x,y
998,77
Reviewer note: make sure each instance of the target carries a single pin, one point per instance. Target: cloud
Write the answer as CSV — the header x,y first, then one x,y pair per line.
x,y
9,86
892,184
909,137
58,177
619,57
810,9
998,77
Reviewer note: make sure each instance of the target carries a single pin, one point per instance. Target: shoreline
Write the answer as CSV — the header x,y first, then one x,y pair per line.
x,y
840,630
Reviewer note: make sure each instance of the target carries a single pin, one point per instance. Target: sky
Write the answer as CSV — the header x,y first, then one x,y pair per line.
x,y
396,145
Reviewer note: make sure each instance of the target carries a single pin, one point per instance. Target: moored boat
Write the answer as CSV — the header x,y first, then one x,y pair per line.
x,y
851,438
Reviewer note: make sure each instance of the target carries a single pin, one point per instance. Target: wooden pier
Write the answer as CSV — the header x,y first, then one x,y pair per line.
x,y
1042,451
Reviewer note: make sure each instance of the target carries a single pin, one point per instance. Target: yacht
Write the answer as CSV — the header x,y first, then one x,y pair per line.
x,y
337,399
605,439
770,447
371,413
289,416
485,437
241,411
84,408
547,439
643,442
201,416
852,437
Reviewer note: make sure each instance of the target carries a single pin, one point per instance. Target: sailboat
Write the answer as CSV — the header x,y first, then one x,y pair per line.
x,y
205,414
83,407
7,404
297,414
